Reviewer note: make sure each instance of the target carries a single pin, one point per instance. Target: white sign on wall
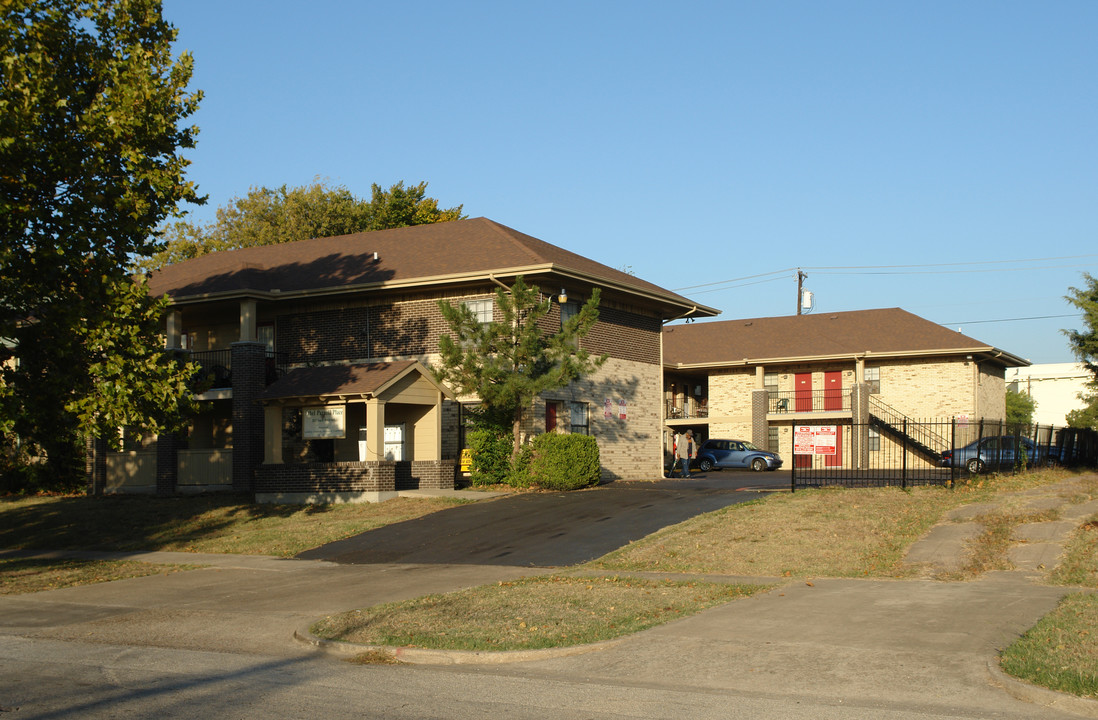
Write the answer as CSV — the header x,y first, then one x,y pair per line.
x,y
328,421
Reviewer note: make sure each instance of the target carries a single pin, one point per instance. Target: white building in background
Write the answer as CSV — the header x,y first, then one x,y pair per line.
x,y
1055,387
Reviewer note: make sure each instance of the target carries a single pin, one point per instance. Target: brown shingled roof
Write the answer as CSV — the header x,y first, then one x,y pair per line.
x,y
339,380
881,331
473,247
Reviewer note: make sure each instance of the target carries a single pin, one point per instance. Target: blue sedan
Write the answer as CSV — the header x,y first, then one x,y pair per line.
x,y
735,454
995,453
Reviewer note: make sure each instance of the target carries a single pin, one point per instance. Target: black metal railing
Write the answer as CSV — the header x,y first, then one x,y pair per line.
x,y
216,368
689,410
800,401
877,454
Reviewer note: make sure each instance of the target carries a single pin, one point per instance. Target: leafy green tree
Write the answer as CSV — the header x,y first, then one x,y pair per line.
x,y
269,217
506,363
1084,343
1019,407
91,110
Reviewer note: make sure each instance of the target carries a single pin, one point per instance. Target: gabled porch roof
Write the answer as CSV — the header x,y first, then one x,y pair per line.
x,y
349,382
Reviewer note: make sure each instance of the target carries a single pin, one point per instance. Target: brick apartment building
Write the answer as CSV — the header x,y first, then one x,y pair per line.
x,y
757,378
319,354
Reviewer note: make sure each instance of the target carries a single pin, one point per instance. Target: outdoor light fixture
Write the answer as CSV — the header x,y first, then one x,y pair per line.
x,y
563,297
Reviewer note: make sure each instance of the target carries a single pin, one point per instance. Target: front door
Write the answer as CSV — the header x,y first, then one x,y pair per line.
x,y
802,391
833,390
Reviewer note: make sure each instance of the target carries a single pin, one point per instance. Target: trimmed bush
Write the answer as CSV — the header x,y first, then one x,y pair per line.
x,y
491,456
561,462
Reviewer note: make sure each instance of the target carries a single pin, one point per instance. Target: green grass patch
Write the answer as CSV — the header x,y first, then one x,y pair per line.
x,y
530,613
833,532
1079,563
207,523
29,575
1061,651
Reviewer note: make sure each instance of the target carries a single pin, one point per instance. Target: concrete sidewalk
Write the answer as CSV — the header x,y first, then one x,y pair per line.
x,y
918,645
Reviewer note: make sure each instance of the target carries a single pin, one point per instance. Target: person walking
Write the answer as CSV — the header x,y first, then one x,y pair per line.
x,y
685,450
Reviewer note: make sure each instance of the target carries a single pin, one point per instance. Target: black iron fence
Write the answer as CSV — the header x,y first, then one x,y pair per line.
x,y
784,401
904,452
216,368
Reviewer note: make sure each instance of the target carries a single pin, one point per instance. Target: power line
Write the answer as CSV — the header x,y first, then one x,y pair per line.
x,y
1035,317
896,270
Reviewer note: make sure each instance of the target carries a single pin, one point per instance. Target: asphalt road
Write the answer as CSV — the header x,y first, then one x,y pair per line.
x,y
549,529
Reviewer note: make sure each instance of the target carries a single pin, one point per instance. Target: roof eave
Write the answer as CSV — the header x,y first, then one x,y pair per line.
x,y
988,352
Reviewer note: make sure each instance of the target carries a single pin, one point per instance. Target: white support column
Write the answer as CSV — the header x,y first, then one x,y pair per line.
x,y
375,429
760,377
248,320
272,435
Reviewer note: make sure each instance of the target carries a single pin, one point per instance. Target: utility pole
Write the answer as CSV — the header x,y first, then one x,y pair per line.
x,y
800,287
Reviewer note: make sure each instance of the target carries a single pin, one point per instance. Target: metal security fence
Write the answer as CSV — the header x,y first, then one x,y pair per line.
x,y
892,450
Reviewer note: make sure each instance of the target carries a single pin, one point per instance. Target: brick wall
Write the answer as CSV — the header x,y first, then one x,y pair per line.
x,y
370,476
629,448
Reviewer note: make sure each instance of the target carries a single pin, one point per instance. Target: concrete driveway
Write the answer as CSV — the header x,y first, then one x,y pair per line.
x,y
549,529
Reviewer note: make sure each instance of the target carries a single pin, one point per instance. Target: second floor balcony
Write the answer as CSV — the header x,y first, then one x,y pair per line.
x,y
216,368
809,401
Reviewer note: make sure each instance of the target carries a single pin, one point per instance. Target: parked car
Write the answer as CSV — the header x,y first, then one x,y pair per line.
x,y
735,454
994,453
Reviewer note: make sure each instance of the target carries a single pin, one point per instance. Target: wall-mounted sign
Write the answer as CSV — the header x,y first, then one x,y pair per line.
x,y
328,421
621,409
608,409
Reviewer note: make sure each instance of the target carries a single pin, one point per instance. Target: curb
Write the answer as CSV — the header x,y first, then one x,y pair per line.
x,y
1037,695
425,656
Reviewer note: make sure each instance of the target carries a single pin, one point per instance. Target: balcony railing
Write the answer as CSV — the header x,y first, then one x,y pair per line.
x,y
685,411
801,401
216,368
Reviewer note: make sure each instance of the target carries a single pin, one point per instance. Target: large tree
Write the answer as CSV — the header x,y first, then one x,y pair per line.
x,y
1084,343
506,363
92,104
266,217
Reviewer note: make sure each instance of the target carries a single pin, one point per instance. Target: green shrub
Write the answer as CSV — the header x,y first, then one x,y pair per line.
x,y
491,456
562,462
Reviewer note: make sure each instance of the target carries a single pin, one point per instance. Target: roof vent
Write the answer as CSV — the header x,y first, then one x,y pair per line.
x,y
375,257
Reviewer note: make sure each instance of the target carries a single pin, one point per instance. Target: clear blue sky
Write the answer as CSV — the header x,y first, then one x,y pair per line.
x,y
697,143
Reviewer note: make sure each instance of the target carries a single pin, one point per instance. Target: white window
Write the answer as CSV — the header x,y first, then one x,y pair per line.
x,y
873,379
874,440
579,419
481,309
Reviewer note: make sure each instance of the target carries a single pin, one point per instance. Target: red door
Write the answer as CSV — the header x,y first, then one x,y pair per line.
x,y
550,417
836,459
802,391
833,390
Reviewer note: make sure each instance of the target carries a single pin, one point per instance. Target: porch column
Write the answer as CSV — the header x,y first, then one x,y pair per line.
x,y
760,425
247,320
272,435
249,379
375,430
167,463
760,377
859,411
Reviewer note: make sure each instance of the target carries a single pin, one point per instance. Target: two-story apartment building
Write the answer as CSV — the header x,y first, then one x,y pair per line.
x,y
758,378
318,357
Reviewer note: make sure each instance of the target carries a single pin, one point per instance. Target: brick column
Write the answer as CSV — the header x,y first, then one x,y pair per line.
x,y
167,463
859,411
95,465
760,426
249,379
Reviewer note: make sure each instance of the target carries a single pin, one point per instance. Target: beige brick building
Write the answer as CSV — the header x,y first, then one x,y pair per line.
x,y
319,355
756,379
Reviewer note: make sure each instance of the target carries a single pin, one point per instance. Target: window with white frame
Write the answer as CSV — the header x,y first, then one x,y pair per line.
x,y
568,311
770,384
772,439
481,309
873,379
874,440
579,418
